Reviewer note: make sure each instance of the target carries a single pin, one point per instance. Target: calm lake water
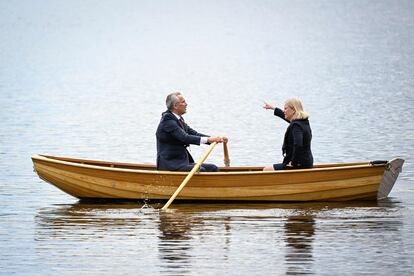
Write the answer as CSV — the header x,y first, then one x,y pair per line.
x,y
88,79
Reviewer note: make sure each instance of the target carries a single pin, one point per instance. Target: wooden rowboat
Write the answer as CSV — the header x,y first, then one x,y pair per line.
x,y
90,179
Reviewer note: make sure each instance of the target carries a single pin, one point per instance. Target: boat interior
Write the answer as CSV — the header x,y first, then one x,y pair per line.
x,y
151,167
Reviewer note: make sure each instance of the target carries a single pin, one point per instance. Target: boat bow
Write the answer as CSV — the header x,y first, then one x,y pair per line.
x,y
392,170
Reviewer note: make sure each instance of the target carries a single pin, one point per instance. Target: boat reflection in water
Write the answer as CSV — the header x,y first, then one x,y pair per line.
x,y
181,240
320,227
175,240
299,235
84,221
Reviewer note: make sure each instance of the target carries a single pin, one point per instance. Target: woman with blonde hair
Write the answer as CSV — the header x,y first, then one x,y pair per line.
x,y
297,143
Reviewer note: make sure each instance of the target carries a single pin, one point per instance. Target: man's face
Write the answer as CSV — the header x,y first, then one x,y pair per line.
x,y
181,105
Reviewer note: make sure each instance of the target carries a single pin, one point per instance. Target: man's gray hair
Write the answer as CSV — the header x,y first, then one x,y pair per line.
x,y
172,98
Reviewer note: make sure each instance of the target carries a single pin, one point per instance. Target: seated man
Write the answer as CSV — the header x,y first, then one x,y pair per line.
x,y
174,136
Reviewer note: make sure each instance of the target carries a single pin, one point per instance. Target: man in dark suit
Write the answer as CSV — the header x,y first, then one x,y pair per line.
x,y
174,136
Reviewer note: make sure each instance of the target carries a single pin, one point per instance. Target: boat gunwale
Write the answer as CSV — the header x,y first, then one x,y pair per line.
x,y
77,163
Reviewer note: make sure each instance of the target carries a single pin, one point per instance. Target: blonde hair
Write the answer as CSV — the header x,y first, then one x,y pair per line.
x,y
297,106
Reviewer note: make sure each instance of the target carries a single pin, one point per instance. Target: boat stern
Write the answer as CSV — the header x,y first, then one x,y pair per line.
x,y
392,170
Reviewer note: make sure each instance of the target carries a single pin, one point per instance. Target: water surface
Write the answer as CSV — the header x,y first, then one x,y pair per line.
x,y
88,79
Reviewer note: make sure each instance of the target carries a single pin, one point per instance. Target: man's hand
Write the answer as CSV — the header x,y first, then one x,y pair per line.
x,y
217,139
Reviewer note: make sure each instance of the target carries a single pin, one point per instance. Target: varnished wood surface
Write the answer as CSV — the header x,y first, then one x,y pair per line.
x,y
98,179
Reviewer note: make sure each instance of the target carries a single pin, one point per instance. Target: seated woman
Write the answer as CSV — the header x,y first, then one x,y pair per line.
x,y
297,143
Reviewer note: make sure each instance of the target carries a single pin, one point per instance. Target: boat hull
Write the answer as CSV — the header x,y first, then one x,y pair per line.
x,y
86,179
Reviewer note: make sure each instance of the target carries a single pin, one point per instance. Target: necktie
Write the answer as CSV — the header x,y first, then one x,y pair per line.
x,y
181,120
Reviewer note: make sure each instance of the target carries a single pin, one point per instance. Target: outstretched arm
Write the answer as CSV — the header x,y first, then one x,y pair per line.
x,y
179,134
276,111
208,139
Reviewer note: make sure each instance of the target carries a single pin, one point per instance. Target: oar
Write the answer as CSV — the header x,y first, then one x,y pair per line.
x,y
226,155
192,172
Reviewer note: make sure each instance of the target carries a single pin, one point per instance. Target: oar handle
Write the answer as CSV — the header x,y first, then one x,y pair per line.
x,y
188,177
226,155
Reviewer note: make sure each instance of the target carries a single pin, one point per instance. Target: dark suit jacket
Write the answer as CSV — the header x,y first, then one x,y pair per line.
x,y
172,142
297,143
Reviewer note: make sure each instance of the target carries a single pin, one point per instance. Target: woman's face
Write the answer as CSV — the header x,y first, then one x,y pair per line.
x,y
288,112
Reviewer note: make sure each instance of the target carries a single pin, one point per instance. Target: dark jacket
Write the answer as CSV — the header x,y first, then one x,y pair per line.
x,y
172,142
297,142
